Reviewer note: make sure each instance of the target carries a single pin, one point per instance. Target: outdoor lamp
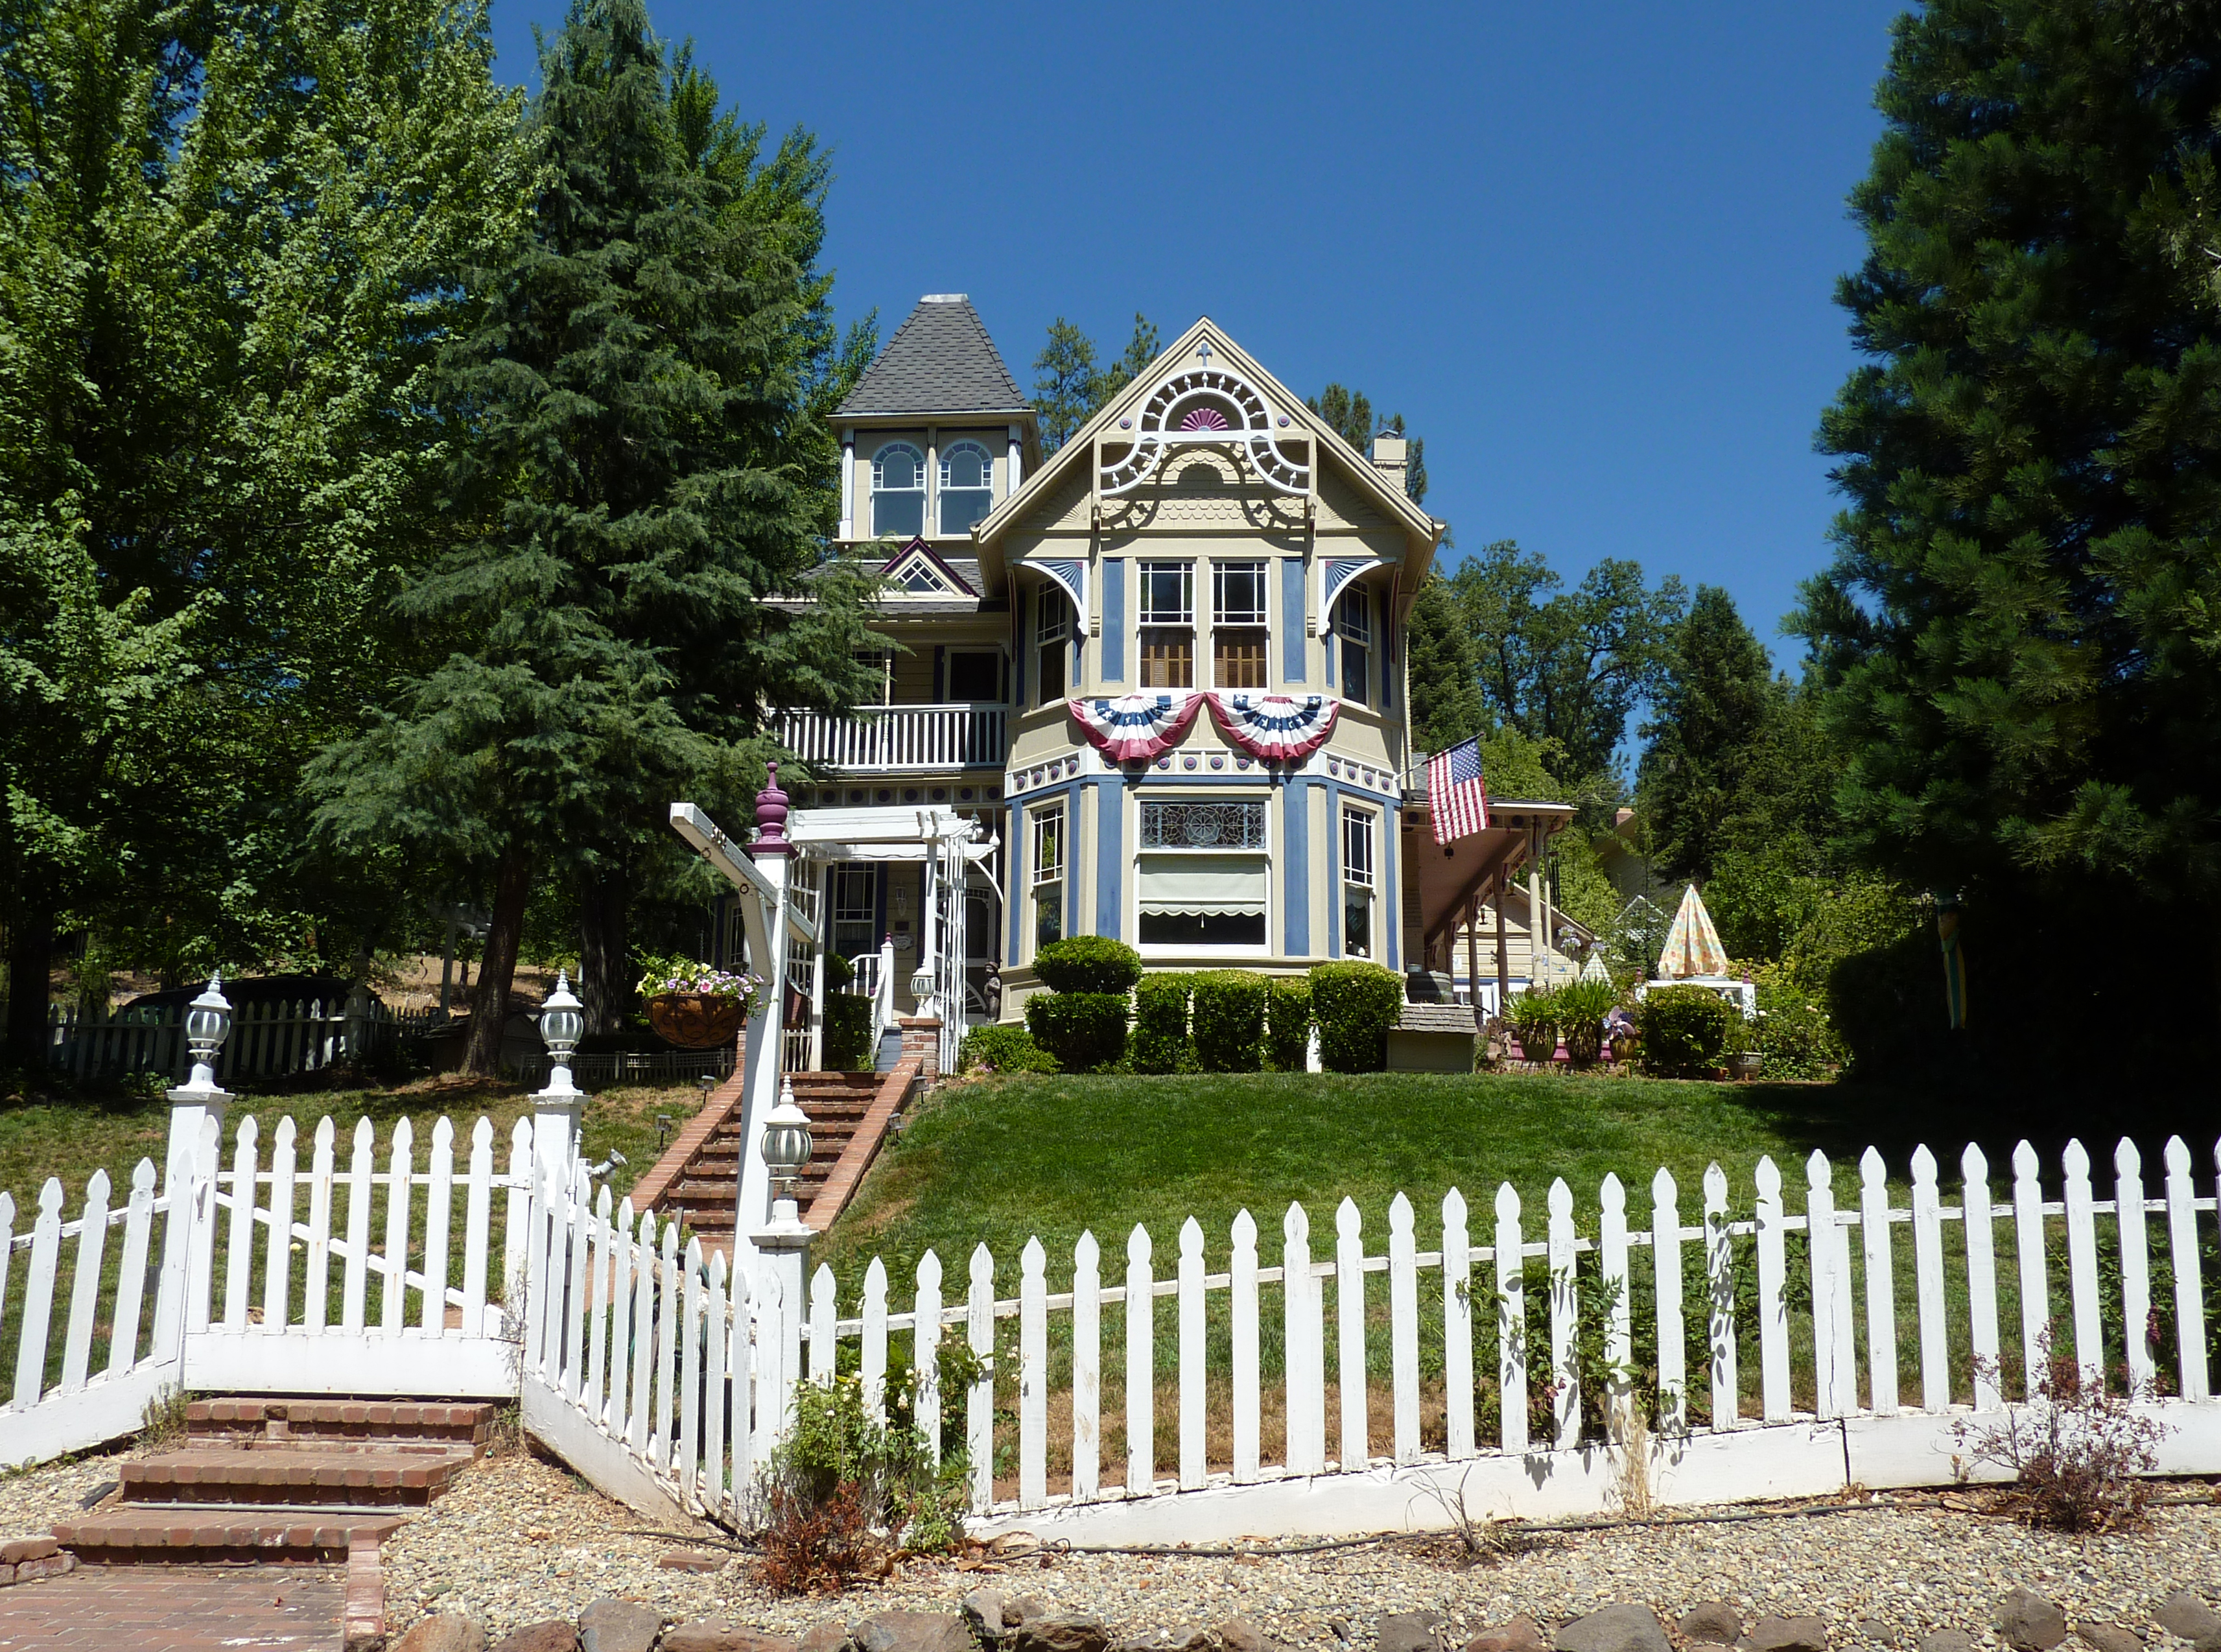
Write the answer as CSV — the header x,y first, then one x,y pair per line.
x,y
921,982
785,1138
560,1022
208,1024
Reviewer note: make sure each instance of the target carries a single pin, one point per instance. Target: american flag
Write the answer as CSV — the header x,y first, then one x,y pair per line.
x,y
1457,794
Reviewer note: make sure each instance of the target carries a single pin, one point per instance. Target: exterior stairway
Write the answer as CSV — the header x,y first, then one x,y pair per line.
x,y
281,1479
697,1178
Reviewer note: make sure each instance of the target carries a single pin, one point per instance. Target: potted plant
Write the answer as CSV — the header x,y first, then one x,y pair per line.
x,y
1534,1018
1582,1006
1740,1047
694,1006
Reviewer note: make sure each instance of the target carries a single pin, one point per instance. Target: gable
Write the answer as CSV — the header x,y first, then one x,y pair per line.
x,y
915,571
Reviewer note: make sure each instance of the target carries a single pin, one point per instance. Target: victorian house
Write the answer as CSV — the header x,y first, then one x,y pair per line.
x,y
1162,668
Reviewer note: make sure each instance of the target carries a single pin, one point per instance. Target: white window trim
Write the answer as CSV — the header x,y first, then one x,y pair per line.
x,y
879,486
1155,621
1264,853
944,485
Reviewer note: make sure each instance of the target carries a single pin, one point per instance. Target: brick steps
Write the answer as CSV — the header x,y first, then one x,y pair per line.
x,y
281,1479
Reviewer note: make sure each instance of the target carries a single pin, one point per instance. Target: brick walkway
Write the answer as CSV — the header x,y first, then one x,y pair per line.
x,y
177,1609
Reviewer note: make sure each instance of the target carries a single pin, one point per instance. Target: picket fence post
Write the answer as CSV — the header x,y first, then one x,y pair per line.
x,y
925,1350
1511,1321
1303,1329
1457,1325
1246,1395
1349,1327
2182,1251
1719,1320
85,1285
2082,1265
980,1400
1192,1419
1140,1366
1033,1376
2135,1277
1086,1369
1403,1329
1672,1331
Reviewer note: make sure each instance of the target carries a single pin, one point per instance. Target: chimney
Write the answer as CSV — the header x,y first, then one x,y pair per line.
x,y
1387,455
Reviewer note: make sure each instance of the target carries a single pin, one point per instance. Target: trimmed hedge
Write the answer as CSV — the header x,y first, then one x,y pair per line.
x,y
1684,1031
1088,963
847,1031
1160,1041
1085,1031
1002,1049
1287,1024
1354,1005
1229,1021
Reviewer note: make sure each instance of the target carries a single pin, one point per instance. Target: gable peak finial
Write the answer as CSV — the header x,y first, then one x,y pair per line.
x,y
1203,351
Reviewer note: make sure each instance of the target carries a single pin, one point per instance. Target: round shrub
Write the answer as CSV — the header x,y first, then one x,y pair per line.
x,y
1088,963
1684,1031
1354,1005
1002,1049
1287,1024
1085,1031
1160,1041
1229,1021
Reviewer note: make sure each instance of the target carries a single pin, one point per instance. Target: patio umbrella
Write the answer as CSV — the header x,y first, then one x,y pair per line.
x,y
1692,945
1595,970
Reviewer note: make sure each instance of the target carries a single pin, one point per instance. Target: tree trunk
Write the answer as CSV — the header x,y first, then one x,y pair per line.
x,y
31,962
497,969
605,981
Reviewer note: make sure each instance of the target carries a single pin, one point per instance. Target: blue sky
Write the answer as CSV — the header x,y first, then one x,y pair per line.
x,y
1587,250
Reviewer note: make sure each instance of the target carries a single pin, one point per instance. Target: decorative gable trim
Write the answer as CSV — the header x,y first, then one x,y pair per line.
x,y
916,571
1338,572
1073,576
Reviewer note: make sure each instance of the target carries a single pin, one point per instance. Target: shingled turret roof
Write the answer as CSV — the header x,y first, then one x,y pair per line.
x,y
941,360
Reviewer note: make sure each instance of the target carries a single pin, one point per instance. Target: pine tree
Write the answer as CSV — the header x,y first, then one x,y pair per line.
x,y
1141,349
1714,699
1443,670
1346,412
2017,632
1065,379
631,492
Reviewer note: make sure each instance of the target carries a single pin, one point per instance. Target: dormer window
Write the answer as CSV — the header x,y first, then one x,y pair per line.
x,y
897,491
968,487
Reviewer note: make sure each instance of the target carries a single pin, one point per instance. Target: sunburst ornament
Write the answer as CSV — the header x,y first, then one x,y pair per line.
x,y
1204,418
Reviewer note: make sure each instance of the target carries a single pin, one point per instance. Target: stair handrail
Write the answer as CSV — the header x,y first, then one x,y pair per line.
x,y
883,998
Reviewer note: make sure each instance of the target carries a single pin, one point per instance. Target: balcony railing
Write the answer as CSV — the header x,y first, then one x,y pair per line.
x,y
885,738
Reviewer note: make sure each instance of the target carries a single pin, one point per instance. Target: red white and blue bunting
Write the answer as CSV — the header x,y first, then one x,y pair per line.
x,y
1276,727
1134,728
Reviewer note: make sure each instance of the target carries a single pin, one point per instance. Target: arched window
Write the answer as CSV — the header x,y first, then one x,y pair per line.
x,y
968,485
897,491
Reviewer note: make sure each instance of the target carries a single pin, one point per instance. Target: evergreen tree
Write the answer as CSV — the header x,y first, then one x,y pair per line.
x,y
1346,412
1140,350
229,249
1715,697
633,490
1065,379
2017,630
1443,670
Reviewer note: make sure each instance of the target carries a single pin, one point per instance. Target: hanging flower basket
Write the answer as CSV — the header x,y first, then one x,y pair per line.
x,y
696,1007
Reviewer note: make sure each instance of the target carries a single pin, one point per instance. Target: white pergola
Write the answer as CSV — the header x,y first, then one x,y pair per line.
x,y
776,900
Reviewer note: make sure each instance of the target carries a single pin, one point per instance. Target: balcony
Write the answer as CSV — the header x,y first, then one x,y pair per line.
x,y
898,738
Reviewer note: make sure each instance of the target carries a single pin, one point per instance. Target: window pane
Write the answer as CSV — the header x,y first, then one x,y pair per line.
x,y
1357,845
898,468
974,677
1203,825
1352,617
1201,930
961,507
1168,660
965,466
1355,671
1238,659
1357,922
1049,916
899,514
1055,613
1168,593
1239,595
1051,671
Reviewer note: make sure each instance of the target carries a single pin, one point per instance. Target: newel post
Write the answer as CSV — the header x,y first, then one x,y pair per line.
x,y
772,855
197,1108
783,1246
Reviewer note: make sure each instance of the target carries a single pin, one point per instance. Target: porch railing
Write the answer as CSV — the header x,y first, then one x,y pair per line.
x,y
887,738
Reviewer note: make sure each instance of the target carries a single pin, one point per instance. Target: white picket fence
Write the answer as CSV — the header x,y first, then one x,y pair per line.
x,y
268,1039
357,1298
1318,1388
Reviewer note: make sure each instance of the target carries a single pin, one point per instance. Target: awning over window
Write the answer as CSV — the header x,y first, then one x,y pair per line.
x,y
1203,886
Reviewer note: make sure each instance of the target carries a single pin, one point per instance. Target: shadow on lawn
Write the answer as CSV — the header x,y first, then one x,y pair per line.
x,y
1844,1119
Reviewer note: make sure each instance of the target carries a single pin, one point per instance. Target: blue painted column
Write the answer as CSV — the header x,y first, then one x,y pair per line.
x,y
1391,829
1110,856
1114,620
1333,870
1295,853
1292,621
1072,858
1016,846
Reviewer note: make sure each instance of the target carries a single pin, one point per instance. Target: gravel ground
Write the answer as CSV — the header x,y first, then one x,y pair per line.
x,y
519,1539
